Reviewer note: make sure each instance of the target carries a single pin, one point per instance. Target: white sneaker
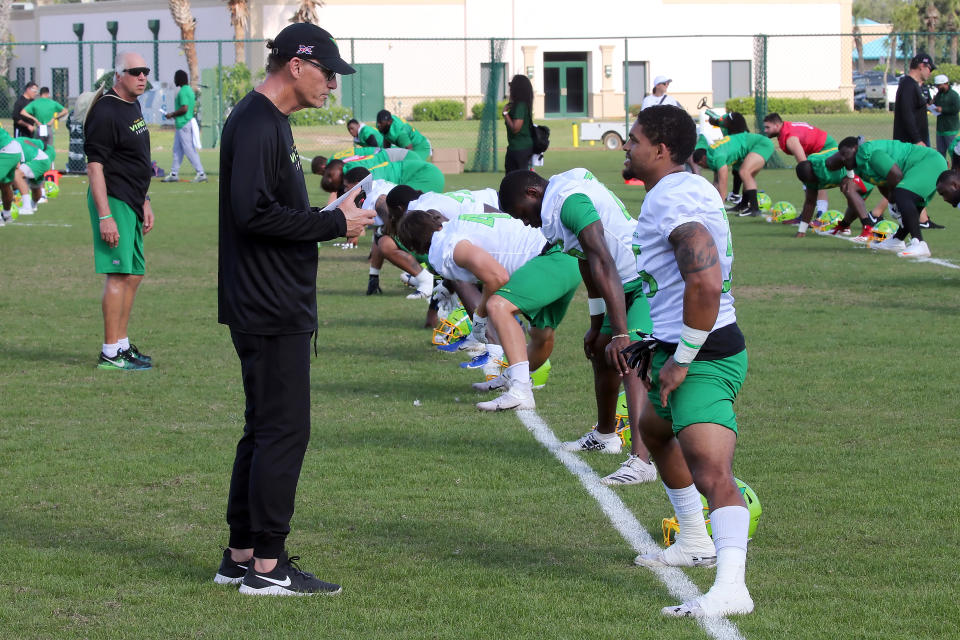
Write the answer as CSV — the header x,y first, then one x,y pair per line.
x,y
720,601
42,200
406,278
200,177
419,295
916,249
3,222
170,177
632,471
890,244
499,382
472,346
24,211
516,397
677,556
590,442
6,217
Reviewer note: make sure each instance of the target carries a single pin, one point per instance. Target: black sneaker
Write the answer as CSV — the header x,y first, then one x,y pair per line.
x,y
231,572
286,579
740,206
373,285
930,224
123,361
753,213
139,355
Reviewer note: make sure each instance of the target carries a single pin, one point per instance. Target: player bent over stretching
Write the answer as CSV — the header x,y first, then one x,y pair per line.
x,y
684,255
584,219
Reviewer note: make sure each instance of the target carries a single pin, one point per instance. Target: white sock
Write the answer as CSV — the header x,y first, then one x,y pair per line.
x,y
424,280
689,509
822,206
374,271
124,344
110,350
6,213
519,373
730,526
27,201
495,351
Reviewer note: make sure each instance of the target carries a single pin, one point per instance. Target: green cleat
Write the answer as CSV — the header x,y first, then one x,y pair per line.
x,y
123,361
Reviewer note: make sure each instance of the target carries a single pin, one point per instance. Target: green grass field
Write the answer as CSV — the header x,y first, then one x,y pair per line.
x,y
441,522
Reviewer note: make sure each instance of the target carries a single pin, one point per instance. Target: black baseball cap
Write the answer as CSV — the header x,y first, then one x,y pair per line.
x,y
308,41
922,58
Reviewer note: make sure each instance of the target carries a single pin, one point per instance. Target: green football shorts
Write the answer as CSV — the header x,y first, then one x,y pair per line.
x,y
763,147
921,179
705,395
8,166
543,288
127,257
638,312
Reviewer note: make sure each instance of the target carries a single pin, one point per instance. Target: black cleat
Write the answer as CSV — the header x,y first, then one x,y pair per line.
x,y
930,224
745,212
231,572
373,285
286,579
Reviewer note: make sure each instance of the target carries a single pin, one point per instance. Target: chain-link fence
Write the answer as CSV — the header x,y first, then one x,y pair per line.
x,y
451,89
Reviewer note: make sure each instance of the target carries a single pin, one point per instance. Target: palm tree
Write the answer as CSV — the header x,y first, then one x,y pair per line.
x,y
859,13
5,7
931,20
307,12
239,17
180,10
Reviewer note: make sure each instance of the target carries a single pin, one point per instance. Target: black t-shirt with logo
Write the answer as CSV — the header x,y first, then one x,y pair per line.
x,y
268,231
116,136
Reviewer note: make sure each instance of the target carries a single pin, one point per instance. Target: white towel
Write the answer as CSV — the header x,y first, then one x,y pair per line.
x,y
196,133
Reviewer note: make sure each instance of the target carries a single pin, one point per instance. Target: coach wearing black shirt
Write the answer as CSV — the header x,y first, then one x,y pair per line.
x,y
268,298
910,109
25,126
117,144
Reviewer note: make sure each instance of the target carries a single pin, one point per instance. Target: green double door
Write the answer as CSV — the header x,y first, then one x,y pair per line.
x,y
363,91
565,89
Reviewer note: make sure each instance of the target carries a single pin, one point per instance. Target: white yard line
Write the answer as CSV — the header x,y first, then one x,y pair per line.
x,y
937,261
623,520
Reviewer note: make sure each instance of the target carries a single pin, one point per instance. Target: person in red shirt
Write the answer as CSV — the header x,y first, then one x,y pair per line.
x,y
800,140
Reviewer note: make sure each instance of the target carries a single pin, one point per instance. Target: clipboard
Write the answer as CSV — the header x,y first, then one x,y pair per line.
x,y
363,185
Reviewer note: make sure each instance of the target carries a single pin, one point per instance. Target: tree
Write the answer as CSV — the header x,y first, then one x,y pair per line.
x,y
931,20
859,13
180,10
903,18
239,17
5,7
307,12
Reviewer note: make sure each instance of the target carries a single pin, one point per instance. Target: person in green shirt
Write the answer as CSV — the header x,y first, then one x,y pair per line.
x,y
36,162
187,134
518,118
748,150
399,133
816,176
364,135
947,108
905,173
411,171
10,176
730,123
45,110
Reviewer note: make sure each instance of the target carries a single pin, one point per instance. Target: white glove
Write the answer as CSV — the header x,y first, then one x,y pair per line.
x,y
479,332
895,213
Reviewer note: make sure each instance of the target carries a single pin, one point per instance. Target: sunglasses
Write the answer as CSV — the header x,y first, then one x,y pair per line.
x,y
138,71
327,73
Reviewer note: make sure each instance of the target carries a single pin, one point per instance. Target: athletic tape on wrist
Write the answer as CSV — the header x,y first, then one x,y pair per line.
x,y
597,306
851,174
689,346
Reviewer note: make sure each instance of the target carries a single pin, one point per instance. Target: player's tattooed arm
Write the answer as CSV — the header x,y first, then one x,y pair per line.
x,y
694,248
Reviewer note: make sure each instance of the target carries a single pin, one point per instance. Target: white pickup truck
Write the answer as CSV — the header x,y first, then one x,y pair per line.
x,y
614,134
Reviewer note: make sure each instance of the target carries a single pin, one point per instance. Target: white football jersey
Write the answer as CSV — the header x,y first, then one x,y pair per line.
x,y
509,241
617,223
377,188
677,199
454,203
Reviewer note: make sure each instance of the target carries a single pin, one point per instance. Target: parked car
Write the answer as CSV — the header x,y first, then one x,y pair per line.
x,y
871,90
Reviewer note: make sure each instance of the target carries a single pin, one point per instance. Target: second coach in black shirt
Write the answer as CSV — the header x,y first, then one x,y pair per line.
x,y
910,109
268,298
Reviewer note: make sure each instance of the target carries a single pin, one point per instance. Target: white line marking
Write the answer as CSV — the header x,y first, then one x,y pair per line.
x,y
37,224
937,261
677,583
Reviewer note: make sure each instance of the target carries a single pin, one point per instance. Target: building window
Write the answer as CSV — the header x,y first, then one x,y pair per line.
x,y
731,79
485,68
637,88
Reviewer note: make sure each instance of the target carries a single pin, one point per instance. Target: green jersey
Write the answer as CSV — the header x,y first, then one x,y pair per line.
x,y
401,134
733,149
522,139
371,162
185,97
352,152
29,147
826,179
5,138
43,109
365,133
413,171
877,157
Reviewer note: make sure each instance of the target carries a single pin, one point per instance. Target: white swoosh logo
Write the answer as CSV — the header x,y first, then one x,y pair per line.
x,y
280,583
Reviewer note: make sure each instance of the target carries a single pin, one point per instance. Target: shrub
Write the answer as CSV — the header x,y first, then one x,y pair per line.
x,y
237,82
790,106
477,110
634,110
434,110
332,113
952,71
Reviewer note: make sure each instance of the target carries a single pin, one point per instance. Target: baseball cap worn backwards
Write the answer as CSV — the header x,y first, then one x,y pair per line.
x,y
310,42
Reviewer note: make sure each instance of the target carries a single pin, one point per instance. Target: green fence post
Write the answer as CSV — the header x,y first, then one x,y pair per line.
x,y
78,29
216,135
495,82
626,85
760,81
